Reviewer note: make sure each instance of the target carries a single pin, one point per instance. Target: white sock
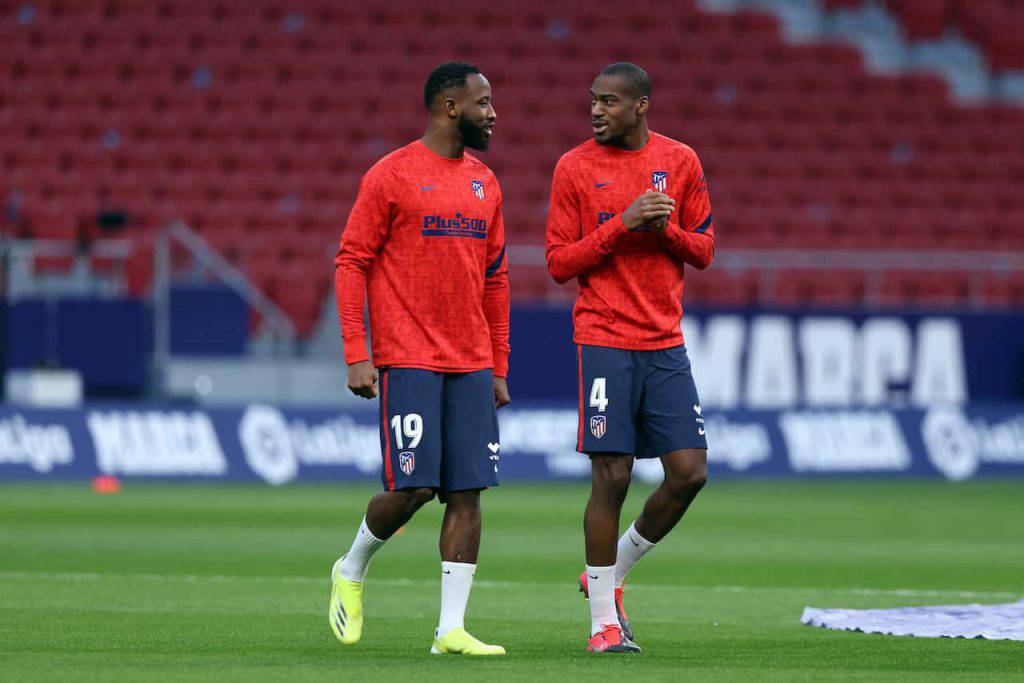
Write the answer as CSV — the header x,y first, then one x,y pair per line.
x,y
632,546
357,560
456,580
601,590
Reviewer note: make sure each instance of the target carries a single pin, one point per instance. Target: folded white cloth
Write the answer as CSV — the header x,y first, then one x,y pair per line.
x,y
992,622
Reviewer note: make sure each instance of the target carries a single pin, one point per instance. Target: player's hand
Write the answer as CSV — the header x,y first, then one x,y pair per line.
x,y
501,397
362,379
648,207
659,225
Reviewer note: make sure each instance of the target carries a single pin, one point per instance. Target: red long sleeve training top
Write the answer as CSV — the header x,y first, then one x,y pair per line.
x,y
426,242
631,281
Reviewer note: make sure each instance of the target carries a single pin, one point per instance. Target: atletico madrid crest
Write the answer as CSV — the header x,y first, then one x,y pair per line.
x,y
407,461
598,425
660,180
478,188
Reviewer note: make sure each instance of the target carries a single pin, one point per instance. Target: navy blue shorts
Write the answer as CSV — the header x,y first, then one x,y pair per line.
x,y
438,430
641,403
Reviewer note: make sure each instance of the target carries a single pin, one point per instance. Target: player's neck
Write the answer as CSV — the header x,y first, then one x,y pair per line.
x,y
443,143
636,139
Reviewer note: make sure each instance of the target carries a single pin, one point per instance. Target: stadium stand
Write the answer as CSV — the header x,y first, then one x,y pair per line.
x,y
253,122
994,24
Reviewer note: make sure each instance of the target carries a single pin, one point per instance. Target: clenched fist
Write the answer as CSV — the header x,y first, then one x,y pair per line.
x,y
362,379
650,207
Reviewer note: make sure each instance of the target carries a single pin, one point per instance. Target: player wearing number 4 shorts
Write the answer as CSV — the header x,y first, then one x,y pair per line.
x,y
425,243
629,212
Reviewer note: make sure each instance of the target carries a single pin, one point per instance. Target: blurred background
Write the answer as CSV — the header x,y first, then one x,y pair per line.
x,y
175,176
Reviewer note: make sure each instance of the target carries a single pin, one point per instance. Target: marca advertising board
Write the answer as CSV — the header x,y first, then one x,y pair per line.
x,y
263,443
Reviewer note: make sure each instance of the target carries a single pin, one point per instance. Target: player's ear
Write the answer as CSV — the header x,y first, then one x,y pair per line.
x,y
643,104
451,108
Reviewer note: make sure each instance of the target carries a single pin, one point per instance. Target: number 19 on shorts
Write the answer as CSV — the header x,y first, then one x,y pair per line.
x,y
410,427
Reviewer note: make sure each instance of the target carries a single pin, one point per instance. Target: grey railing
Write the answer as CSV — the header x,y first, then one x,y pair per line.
x,y
23,278
206,259
770,264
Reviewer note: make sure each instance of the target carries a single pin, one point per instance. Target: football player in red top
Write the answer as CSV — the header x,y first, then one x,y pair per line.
x,y
629,211
425,242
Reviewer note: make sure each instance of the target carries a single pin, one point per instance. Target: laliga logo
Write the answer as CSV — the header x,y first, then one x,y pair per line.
x,y
267,444
951,442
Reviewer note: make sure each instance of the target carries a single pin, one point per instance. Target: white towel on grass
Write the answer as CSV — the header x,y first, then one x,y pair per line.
x,y
991,622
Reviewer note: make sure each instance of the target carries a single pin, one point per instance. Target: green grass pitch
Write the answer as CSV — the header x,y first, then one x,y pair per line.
x,y
197,583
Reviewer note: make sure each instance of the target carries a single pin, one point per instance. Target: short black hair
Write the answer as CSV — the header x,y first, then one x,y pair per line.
x,y
444,76
636,76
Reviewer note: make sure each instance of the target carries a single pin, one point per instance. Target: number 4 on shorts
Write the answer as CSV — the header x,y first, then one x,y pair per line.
x,y
598,398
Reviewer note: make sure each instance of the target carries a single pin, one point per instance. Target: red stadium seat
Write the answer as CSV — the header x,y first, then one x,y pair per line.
x,y
257,135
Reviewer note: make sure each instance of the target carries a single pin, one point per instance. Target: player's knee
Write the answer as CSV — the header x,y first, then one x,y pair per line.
x,y
465,503
698,477
419,497
619,481
687,482
612,481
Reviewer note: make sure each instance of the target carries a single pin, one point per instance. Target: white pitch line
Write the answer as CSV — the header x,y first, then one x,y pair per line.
x,y
324,581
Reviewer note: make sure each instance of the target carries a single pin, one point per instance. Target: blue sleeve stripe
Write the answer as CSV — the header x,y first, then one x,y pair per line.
x,y
493,268
703,227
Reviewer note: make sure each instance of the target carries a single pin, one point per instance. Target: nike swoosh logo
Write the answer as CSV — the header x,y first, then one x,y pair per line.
x,y
604,184
428,187
635,544
446,571
591,576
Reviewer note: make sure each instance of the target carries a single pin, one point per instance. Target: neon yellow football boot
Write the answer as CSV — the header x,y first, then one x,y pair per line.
x,y
459,642
345,613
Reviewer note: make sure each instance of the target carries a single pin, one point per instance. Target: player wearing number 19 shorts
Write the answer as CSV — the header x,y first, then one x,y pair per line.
x,y
629,213
425,243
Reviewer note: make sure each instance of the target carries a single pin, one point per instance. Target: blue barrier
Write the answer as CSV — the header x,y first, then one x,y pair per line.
x,y
110,341
765,358
853,356
278,446
208,320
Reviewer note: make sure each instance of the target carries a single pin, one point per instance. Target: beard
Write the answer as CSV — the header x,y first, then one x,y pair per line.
x,y
473,135
609,139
